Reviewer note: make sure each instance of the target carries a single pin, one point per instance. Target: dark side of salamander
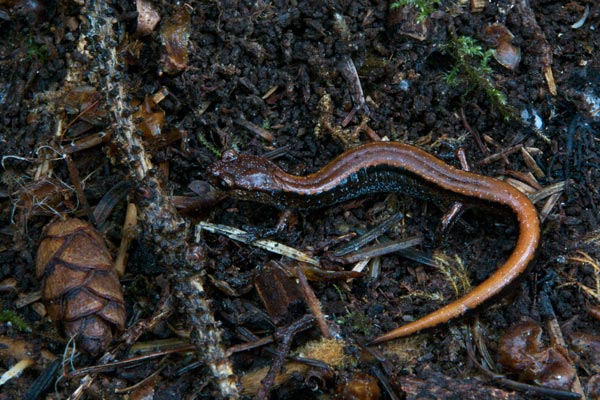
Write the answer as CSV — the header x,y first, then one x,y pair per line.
x,y
253,178
389,167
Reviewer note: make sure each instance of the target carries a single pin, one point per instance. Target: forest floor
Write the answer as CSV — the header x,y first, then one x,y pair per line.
x,y
105,108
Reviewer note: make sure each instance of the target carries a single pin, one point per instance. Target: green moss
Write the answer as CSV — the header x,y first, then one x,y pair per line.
x,y
358,321
36,51
472,70
202,139
266,125
424,7
15,319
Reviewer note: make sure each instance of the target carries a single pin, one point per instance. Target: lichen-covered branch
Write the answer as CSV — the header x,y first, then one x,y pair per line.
x,y
161,223
107,73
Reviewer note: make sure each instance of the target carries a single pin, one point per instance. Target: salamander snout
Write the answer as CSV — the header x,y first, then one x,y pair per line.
x,y
242,172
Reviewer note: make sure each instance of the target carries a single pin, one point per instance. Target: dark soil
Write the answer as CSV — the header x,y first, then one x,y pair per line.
x,y
264,76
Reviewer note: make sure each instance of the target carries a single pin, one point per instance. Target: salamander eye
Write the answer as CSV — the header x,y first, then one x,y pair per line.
x,y
230,155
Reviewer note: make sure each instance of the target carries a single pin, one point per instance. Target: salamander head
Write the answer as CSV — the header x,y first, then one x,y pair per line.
x,y
243,172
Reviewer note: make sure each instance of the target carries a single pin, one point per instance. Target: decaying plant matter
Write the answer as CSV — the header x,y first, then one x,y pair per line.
x,y
124,104
80,288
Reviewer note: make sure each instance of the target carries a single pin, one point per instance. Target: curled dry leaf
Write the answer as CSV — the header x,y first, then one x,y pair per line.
x,y
499,37
85,101
360,387
279,293
149,118
175,35
79,286
521,351
587,347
